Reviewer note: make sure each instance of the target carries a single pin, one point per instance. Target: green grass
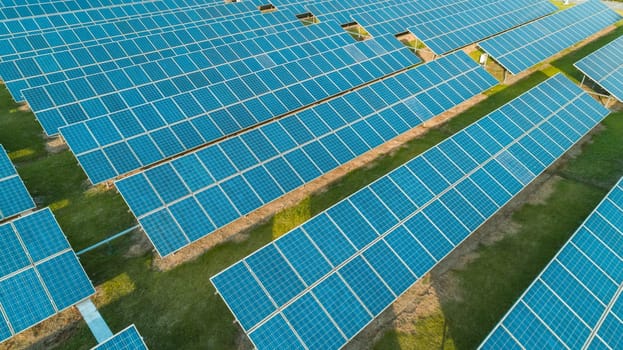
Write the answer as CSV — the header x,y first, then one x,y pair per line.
x,y
86,214
427,336
178,308
20,133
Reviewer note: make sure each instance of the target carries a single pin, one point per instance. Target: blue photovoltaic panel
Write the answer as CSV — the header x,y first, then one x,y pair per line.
x,y
172,122
40,274
14,198
481,20
65,61
13,24
343,11
605,67
478,166
576,302
444,25
194,195
522,48
49,21
127,339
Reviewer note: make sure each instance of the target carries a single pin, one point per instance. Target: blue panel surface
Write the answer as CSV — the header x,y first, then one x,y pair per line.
x,y
39,273
524,47
578,294
24,300
41,234
378,249
260,165
65,279
14,198
605,67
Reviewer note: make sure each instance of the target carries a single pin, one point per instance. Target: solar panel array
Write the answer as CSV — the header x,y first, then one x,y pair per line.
x,y
132,84
14,198
185,199
576,302
127,339
474,23
443,25
40,274
147,132
82,54
321,283
605,67
49,19
225,65
525,46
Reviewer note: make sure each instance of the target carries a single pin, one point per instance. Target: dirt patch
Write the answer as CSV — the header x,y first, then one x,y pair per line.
x,y
55,145
425,54
45,335
541,196
140,245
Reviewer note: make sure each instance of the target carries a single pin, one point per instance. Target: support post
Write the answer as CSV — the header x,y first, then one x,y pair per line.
x,y
94,320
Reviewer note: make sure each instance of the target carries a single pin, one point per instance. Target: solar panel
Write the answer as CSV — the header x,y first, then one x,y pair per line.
x,y
67,18
576,301
211,60
75,53
40,274
174,122
231,178
14,198
483,19
325,280
525,46
127,339
605,67
50,20
442,25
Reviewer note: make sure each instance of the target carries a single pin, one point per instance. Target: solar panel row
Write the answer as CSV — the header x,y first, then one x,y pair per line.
x,y
15,10
605,67
392,17
342,11
40,23
61,21
442,25
172,122
474,23
127,339
14,198
36,60
39,273
522,48
185,199
320,284
576,302
150,80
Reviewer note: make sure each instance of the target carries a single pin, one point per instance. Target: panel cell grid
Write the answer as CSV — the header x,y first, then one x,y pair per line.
x,y
525,46
127,339
605,67
380,269
14,198
40,274
240,174
578,296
